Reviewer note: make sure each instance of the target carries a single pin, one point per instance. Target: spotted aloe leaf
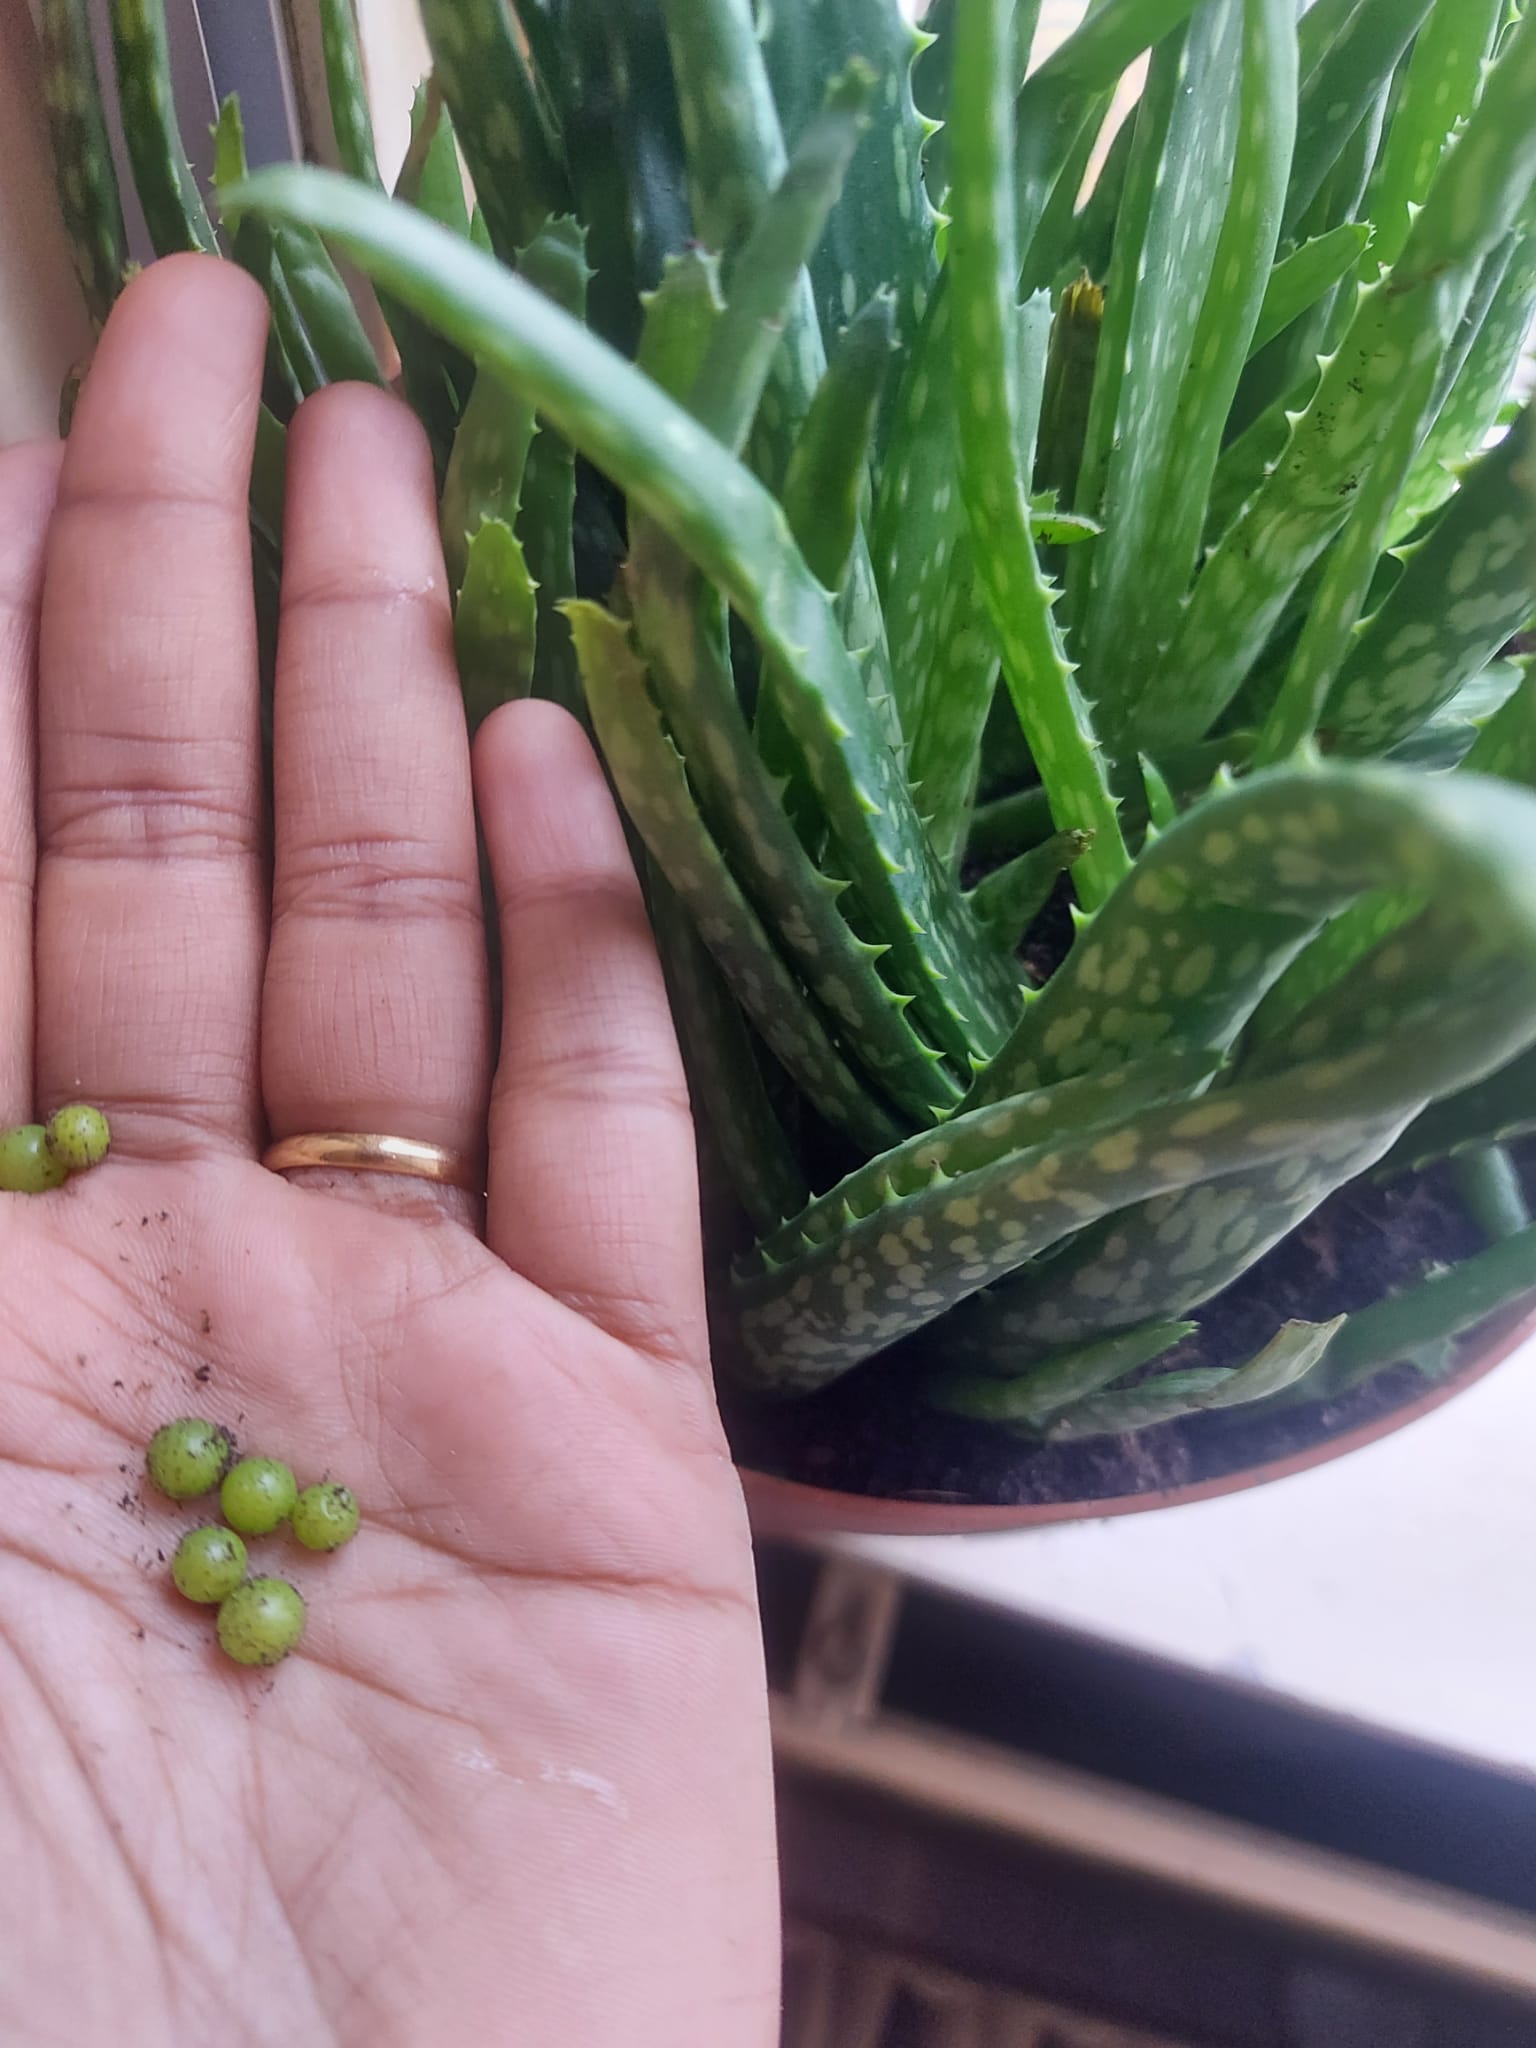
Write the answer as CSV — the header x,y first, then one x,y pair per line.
x,y
1008,901
1192,304
82,152
173,207
881,231
1466,589
1483,185
1028,1401
1300,280
1405,1326
825,490
1443,79
495,621
652,778
1499,1107
1471,403
1339,82
995,476
347,91
477,61
1288,1361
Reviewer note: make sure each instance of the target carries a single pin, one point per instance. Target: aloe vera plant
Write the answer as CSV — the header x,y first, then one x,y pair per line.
x,y
934,547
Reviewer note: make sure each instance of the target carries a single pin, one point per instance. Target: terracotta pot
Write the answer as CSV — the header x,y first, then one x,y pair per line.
x,y
784,1507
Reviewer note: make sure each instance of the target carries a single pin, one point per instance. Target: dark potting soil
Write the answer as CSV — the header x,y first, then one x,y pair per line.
x,y
872,1432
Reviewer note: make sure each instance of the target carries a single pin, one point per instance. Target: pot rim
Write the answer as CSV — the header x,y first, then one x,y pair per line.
x,y
791,1507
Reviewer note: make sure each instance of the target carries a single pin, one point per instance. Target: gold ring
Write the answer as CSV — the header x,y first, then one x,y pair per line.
x,y
372,1152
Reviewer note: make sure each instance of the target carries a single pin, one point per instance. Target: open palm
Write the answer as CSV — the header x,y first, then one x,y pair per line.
x,y
513,1786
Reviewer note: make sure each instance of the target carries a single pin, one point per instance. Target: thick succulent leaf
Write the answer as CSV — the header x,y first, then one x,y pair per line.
x,y
1299,280
1499,1107
173,207
1287,1361
1196,299
1471,406
517,176
1029,1400
995,472
430,175
652,780
681,315
1483,185
495,621
766,274
1008,901
608,71
725,1079
437,378
1465,591
682,632
1443,79
1339,88
881,231
347,91
82,154
1487,1183
825,488
1442,1306
1348,573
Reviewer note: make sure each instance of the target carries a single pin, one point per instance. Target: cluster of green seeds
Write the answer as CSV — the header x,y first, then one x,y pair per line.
x,y
37,1157
260,1620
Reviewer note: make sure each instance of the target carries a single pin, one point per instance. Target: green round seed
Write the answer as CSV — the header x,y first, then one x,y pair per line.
x,y
257,1494
261,1621
325,1516
27,1167
78,1136
185,1458
209,1564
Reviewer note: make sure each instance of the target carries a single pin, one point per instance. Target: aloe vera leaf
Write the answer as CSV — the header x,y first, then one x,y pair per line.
x,y
495,621
652,780
173,208
609,71
1169,426
1008,901
485,468
1441,1306
1057,1382
724,1077
1444,76
517,176
430,177
347,91
82,154
1483,184
1501,1106
1166,1255
1287,1361
880,234
1471,405
1351,564
679,475
983,264
1299,280
767,271
948,724
1336,92
827,481
1487,1184
811,1314
825,488
1506,745
1466,590
681,314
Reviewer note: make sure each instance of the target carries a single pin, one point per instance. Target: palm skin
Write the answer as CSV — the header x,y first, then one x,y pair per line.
x,y
513,1785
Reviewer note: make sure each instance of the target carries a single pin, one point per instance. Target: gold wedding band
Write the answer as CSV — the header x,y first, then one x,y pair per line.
x,y
372,1152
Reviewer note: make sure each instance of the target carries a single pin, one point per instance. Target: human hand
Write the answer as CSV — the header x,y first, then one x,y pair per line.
x,y
513,1786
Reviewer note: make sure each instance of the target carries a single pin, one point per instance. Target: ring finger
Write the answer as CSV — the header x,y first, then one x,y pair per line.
x,y
375,1015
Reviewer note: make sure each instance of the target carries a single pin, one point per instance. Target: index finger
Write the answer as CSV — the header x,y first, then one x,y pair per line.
x,y
593,1181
